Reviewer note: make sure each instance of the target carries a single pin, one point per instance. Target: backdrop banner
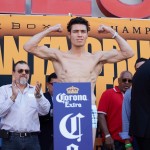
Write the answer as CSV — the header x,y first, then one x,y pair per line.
x,y
15,30
21,25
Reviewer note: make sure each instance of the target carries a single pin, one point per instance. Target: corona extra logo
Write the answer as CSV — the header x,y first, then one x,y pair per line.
x,y
75,131
72,90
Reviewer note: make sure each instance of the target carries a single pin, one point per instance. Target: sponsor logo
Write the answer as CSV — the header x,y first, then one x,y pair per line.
x,y
75,126
71,100
72,90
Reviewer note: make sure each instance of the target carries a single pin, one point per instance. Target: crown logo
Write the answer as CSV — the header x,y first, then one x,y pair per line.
x,y
72,90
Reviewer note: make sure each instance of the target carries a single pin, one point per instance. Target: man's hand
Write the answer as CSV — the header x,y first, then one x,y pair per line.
x,y
105,29
56,28
15,90
37,90
109,143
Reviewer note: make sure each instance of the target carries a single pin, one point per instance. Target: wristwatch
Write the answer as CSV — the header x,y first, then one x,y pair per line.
x,y
38,95
107,135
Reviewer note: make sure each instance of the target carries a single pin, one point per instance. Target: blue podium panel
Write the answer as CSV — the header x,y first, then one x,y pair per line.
x,y
72,116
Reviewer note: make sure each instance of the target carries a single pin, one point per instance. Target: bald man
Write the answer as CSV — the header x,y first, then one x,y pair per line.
x,y
110,113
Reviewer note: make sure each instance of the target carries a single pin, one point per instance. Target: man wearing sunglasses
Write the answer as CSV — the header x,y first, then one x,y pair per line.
x,y
110,113
20,106
46,122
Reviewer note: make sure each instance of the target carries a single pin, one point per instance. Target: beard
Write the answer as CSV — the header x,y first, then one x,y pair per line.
x,y
23,81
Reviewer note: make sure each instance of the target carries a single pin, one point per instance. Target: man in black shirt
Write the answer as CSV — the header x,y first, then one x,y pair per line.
x,y
46,122
140,106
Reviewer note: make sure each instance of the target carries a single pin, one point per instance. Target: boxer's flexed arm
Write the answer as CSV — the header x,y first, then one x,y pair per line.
x,y
125,51
43,52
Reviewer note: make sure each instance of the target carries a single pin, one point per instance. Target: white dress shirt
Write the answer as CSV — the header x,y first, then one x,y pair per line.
x,y
21,115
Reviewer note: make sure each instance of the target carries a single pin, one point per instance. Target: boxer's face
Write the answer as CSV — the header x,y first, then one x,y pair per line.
x,y
78,35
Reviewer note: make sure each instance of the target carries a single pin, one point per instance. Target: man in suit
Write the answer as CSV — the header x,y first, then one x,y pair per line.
x,y
126,112
140,106
46,122
0,138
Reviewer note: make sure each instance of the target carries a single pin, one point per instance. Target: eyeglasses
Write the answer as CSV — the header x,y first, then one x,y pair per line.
x,y
22,70
125,80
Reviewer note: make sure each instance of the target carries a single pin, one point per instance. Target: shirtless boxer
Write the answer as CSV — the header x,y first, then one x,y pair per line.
x,y
78,65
